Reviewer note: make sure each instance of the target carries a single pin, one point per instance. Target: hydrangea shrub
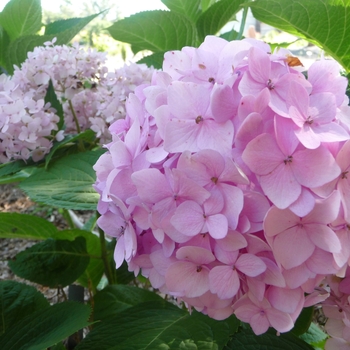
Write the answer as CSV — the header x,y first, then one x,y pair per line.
x,y
227,184
92,97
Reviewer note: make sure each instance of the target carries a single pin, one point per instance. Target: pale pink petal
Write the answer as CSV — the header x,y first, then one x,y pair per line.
x,y
296,276
222,103
313,168
259,323
273,275
181,135
188,218
197,255
187,278
285,299
292,247
151,185
194,99
224,281
323,237
278,220
217,225
251,127
119,252
344,189
250,265
304,204
233,199
281,186
218,137
232,242
325,211
337,344
285,137
322,263
279,320
262,155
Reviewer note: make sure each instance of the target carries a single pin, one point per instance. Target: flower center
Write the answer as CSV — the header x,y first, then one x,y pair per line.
x,y
289,159
199,119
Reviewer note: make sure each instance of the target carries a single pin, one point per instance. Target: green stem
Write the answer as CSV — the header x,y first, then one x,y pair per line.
x,y
244,18
104,256
80,141
68,218
74,116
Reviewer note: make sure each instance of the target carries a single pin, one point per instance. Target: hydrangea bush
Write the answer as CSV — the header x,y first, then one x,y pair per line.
x,y
92,97
226,184
222,187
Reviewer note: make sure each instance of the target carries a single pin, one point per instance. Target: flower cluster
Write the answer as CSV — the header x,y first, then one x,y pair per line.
x,y
91,97
227,182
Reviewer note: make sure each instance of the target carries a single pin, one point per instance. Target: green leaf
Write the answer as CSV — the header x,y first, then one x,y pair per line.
x,y
4,43
314,335
88,135
55,103
18,300
12,167
67,183
158,325
303,321
121,275
64,25
247,340
21,17
24,226
46,327
205,4
323,22
116,298
217,15
53,262
229,36
18,49
188,8
94,271
155,31
155,60
20,176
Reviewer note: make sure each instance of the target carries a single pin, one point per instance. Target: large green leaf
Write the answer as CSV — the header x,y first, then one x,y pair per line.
x,y
51,97
188,8
24,226
155,60
159,325
46,327
155,31
216,16
4,43
116,298
314,335
18,300
94,271
18,49
67,183
70,24
302,324
87,135
21,17
247,340
324,22
53,262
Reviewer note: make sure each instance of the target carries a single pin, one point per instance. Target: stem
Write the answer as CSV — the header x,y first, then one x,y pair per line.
x,y
66,215
104,256
244,18
80,141
74,116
